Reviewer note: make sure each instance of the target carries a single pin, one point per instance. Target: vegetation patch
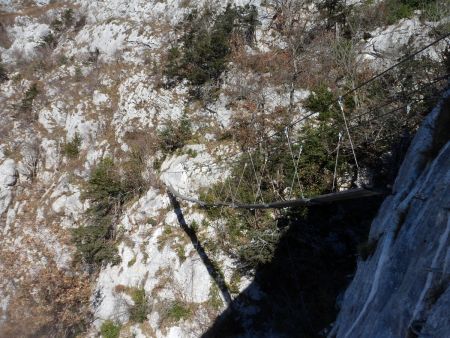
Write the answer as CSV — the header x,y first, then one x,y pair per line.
x,y
140,308
234,282
181,253
109,329
165,236
175,134
3,73
214,300
72,148
109,187
176,311
201,54
131,262
27,102
96,244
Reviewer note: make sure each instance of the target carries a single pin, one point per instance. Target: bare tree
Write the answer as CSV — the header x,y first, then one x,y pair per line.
x,y
294,20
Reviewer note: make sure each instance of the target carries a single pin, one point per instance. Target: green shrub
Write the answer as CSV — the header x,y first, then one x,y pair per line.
x,y
63,60
214,300
260,247
56,25
322,101
68,17
201,55
96,244
105,189
49,40
181,253
109,329
191,153
72,149
140,308
438,11
151,221
27,102
132,261
178,311
175,134
401,9
398,11
65,21
132,181
78,74
108,188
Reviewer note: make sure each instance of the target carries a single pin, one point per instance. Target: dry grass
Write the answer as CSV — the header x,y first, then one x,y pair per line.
x,y
273,63
52,303
30,9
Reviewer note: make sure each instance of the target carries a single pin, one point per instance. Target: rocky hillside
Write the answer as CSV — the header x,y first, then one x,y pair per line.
x,y
104,104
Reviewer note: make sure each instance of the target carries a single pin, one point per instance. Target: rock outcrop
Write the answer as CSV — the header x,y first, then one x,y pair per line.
x,y
402,290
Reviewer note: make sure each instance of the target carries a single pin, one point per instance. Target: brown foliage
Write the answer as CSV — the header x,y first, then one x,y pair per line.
x,y
53,303
275,63
251,126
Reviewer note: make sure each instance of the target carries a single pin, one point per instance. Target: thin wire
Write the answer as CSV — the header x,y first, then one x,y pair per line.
x,y
435,80
341,105
350,128
256,176
293,160
240,180
337,157
408,107
306,117
296,173
408,57
295,164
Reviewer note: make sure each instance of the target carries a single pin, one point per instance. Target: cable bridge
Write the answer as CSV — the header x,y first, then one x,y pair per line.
x,y
391,106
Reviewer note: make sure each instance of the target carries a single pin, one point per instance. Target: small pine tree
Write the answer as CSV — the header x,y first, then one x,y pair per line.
x,y
72,148
202,54
27,102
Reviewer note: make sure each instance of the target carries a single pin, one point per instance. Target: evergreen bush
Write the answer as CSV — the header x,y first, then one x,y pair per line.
x,y
72,149
27,102
202,53
108,188
175,134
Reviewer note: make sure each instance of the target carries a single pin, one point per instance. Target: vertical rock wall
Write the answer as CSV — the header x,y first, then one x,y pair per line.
x,y
402,289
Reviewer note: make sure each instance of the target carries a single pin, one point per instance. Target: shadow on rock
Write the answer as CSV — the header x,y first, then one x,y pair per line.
x,y
297,292
212,269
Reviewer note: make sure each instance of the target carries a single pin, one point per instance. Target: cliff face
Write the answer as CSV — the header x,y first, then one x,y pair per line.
x,y
402,290
81,81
